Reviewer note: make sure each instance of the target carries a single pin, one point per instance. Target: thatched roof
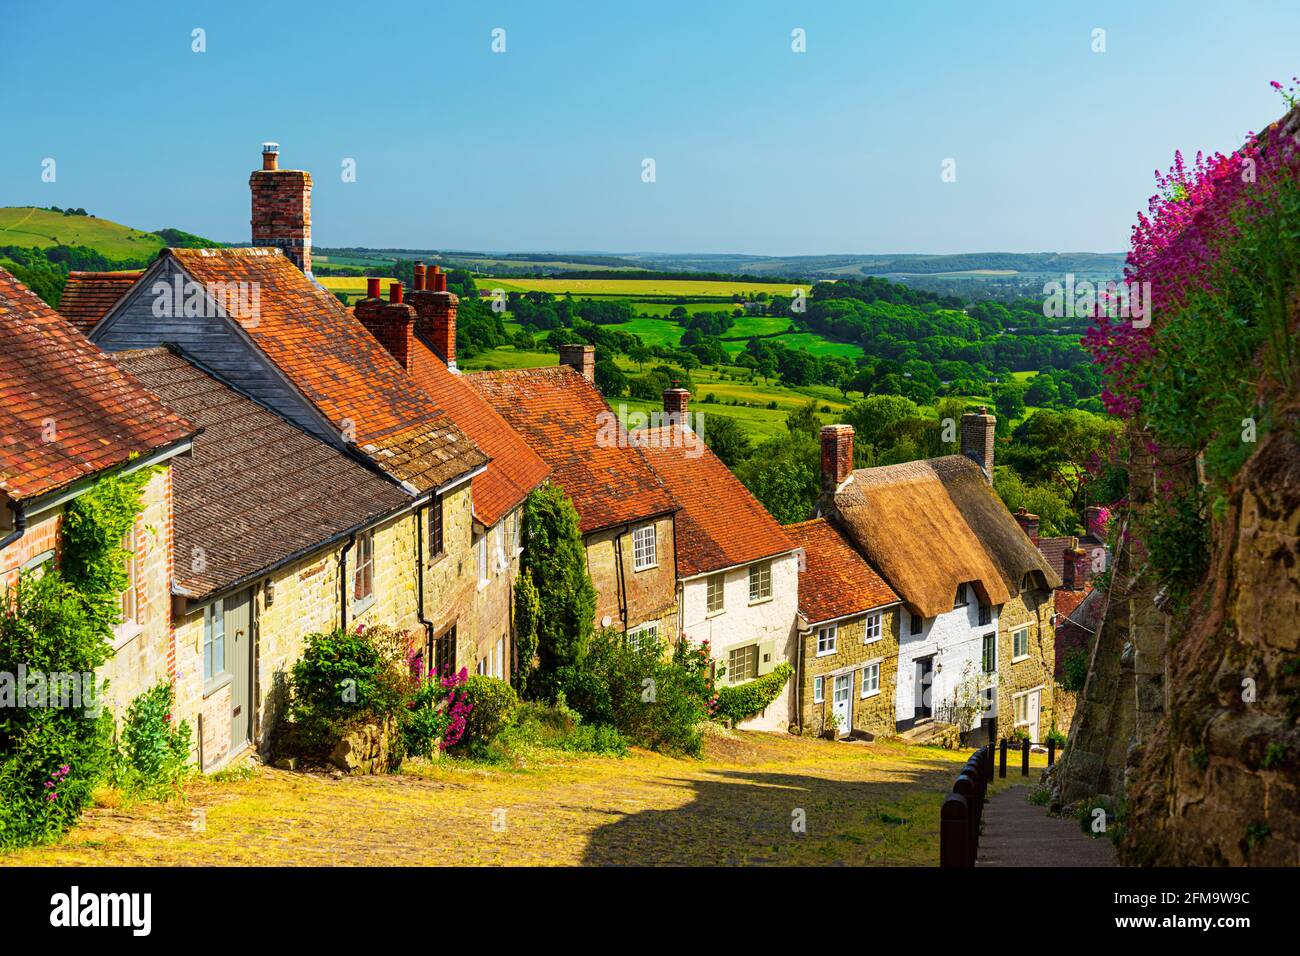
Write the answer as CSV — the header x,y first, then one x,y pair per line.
x,y
932,525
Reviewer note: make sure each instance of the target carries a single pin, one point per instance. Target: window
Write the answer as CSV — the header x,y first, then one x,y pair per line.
x,y
917,621
500,669
990,655
827,637
715,600
872,632
129,609
435,527
480,555
214,640
644,636
742,663
1021,708
363,571
512,536
502,559
986,615
1020,644
444,653
960,599
819,690
871,679
760,582
643,547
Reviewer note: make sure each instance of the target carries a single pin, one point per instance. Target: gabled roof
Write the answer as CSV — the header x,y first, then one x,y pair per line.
x,y
255,490
514,470
932,525
566,421
836,581
66,411
1086,612
721,525
1066,600
338,366
1053,550
89,295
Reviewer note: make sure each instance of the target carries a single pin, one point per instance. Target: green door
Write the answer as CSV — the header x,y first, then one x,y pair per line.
x,y
239,632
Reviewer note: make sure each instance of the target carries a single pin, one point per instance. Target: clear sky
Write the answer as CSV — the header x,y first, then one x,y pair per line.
x,y
757,148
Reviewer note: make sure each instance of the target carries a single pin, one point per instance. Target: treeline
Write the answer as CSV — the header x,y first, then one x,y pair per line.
x,y
45,270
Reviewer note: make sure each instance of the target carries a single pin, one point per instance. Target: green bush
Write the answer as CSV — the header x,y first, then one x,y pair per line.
x,y
152,754
1074,669
745,700
558,727
427,720
492,705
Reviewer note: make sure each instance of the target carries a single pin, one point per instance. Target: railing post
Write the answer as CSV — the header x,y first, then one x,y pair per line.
x,y
965,786
1024,757
1002,759
954,832
1051,751
989,762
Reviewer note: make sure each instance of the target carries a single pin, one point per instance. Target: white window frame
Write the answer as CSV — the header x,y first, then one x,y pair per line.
x,y
1015,635
636,637
873,628
870,688
715,583
760,582
732,676
645,548
500,654
214,636
502,560
828,638
1016,701
130,597
819,690
363,571
481,561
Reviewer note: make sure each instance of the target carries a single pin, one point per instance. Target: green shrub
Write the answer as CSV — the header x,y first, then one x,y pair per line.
x,y
1040,796
745,700
492,704
558,727
1057,737
152,754
1074,669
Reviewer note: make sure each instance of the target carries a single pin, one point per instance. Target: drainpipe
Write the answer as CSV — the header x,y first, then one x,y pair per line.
x,y
622,585
20,525
343,582
419,577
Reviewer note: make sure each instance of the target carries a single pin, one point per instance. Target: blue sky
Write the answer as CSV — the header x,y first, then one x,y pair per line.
x,y
757,149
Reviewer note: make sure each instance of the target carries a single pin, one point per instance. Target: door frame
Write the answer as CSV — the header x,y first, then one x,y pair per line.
x,y
924,665
847,726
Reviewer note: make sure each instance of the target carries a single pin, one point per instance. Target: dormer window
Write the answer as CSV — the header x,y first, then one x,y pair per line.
x,y
960,599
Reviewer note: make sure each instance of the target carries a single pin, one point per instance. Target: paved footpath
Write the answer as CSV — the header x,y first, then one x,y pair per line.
x,y
1017,833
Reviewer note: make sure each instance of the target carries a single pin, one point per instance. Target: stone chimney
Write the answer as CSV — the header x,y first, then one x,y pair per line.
x,y
1094,525
977,439
837,456
581,358
1074,571
391,322
436,311
282,208
1028,523
676,402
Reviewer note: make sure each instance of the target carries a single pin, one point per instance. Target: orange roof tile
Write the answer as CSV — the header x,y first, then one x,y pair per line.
x,y
89,295
566,421
836,581
514,470
66,411
338,366
1066,600
721,525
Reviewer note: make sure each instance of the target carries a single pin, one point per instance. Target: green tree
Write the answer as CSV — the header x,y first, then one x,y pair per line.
x,y
784,475
528,612
727,439
555,558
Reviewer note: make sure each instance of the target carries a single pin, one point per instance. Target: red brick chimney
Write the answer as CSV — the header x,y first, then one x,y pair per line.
x,y
391,322
1074,572
436,311
676,402
1093,524
977,439
282,208
837,456
581,358
1028,523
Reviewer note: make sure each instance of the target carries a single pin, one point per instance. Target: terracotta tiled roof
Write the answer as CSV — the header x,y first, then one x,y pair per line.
x,y
566,421
55,384
341,369
720,525
1053,551
836,581
255,490
89,295
1066,600
514,470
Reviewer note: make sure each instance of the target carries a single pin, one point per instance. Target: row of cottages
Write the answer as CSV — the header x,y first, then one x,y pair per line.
x,y
922,589
68,418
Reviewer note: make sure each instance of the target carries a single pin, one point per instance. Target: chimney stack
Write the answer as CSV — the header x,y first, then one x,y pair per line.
x,y
1094,523
581,358
977,439
837,456
676,402
1074,572
435,308
391,322
282,208
1028,523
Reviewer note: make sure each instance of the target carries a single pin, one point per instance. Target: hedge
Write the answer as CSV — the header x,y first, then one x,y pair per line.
x,y
745,700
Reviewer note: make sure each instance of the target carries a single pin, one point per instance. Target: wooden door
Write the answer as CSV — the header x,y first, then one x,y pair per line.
x,y
239,632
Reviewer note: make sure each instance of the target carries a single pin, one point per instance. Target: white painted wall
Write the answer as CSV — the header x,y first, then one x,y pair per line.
x,y
954,638
740,623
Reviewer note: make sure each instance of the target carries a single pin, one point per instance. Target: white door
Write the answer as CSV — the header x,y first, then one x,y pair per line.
x,y
843,702
1033,715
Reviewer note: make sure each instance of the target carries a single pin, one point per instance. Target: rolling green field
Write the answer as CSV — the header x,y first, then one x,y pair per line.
x,y
27,226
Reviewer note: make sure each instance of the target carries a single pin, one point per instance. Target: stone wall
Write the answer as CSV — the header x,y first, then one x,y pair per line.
x,y
875,715
1032,608
651,594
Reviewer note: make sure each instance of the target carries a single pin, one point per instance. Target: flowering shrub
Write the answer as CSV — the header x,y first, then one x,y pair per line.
x,y
488,707
436,714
